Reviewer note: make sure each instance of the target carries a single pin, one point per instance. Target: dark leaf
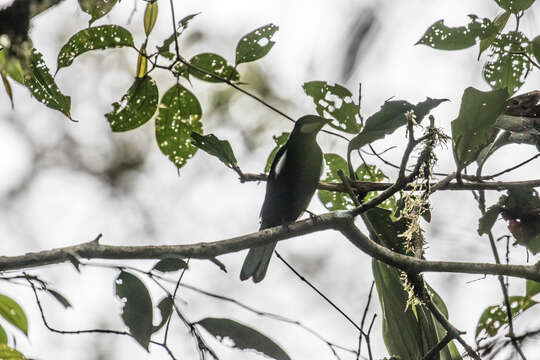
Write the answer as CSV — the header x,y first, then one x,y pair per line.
x,y
13,313
96,8
243,337
214,146
335,102
42,85
164,49
535,48
60,298
170,264
93,38
499,22
487,220
137,106
256,44
494,317
522,211
137,310
280,141
179,115
532,288
514,6
473,129
165,307
213,64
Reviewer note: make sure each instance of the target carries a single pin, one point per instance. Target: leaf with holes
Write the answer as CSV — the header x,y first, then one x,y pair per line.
x,y
504,68
165,307
93,38
8,353
42,85
494,317
137,310
214,146
179,115
243,337
96,8
256,44
499,22
213,64
12,312
280,141
442,37
170,264
473,129
486,222
515,6
334,200
535,48
335,102
137,106
164,49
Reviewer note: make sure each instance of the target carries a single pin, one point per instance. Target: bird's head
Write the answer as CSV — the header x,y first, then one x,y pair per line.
x,y
309,124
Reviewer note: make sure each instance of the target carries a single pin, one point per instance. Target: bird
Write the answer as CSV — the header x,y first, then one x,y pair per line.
x,y
292,181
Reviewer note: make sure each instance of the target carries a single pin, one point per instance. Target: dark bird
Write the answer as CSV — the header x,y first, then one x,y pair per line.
x,y
291,183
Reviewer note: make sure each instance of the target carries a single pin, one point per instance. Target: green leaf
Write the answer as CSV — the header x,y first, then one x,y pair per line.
x,y
137,310
7,87
256,44
60,298
170,264
473,129
442,37
179,115
335,102
504,69
214,146
96,8
137,106
94,38
41,84
280,141
495,317
532,288
514,6
12,312
164,49
535,48
390,118
165,307
385,231
214,64
333,200
243,337
485,223
3,336
8,353
150,16
499,22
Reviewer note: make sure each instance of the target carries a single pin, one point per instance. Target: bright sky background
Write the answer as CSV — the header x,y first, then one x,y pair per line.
x,y
63,205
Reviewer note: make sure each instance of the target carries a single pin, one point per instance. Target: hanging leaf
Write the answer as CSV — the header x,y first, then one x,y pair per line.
x,y
170,264
8,353
505,68
514,6
179,115
96,8
213,64
94,38
7,87
150,16
136,107
142,62
3,336
243,337
164,49
473,129
535,48
256,44
60,298
280,141
216,147
335,102
499,22
442,37
12,312
334,200
495,317
486,222
41,84
165,307
137,310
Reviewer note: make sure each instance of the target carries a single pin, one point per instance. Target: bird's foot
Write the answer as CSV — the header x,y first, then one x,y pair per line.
x,y
314,217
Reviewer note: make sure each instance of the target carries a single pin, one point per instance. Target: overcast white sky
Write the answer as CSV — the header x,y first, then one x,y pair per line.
x,y
63,205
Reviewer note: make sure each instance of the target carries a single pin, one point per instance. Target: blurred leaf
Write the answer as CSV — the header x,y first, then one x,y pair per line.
x,y
214,64
136,107
485,223
280,141
532,288
334,102
60,298
8,353
535,48
214,146
494,317
93,38
164,49
3,336
96,8
504,69
7,87
137,310
179,115
473,129
142,62
499,22
514,6
41,84
150,16
333,200
243,337
165,307
12,312
256,44
385,231
522,211
170,264
390,118
442,37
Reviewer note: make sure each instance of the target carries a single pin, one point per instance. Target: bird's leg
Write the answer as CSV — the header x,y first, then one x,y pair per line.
x,y
312,216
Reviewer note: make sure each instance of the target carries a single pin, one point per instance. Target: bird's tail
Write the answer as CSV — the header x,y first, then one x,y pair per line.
x,y
256,262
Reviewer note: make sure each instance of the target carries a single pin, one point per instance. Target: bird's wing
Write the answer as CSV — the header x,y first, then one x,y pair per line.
x,y
278,162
